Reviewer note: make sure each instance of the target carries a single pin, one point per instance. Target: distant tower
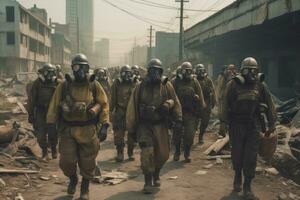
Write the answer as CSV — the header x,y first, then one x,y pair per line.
x,y
80,17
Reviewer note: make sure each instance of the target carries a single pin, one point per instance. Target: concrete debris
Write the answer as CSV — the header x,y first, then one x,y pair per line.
x,y
114,177
44,178
259,170
208,166
201,172
219,161
272,171
19,197
282,196
173,178
293,196
2,183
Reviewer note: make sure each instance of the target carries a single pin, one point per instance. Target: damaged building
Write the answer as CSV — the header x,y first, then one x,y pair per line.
x,y
25,39
268,30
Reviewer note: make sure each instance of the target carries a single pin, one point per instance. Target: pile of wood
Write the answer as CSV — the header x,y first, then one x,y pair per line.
x,y
19,150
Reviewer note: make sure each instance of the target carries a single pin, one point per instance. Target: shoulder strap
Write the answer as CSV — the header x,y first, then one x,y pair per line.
x,y
92,87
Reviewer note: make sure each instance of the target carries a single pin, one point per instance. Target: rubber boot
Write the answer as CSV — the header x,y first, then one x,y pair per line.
x,y
248,194
54,152
84,190
201,141
156,179
45,154
148,189
130,152
177,153
237,183
120,153
187,151
72,185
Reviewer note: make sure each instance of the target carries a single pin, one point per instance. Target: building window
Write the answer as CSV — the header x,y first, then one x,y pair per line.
x,y
10,13
33,45
10,38
23,39
41,29
23,17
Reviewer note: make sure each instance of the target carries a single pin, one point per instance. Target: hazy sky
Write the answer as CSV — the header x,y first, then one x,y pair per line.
x,y
121,28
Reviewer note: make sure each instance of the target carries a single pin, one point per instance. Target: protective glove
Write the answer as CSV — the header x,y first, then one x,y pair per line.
x,y
102,134
166,106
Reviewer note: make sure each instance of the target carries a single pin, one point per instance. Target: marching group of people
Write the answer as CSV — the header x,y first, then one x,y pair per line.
x,y
75,110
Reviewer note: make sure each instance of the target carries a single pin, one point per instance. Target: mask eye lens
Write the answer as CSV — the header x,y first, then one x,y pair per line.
x,y
245,71
254,71
75,68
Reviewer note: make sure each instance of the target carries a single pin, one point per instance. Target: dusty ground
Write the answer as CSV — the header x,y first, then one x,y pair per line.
x,y
215,185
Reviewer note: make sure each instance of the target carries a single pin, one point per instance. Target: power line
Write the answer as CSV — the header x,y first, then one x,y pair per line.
x,y
146,20
164,6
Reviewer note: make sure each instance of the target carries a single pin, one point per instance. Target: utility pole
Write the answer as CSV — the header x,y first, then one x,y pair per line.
x,y
133,51
78,40
150,42
181,28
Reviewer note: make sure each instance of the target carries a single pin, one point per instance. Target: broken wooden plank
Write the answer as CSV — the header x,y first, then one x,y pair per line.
x,y
220,156
21,106
218,147
211,147
17,171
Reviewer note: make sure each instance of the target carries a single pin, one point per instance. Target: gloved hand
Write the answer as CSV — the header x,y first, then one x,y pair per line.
x,y
102,134
166,106
30,119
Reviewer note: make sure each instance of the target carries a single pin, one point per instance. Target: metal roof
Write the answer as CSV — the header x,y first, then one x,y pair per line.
x,y
239,15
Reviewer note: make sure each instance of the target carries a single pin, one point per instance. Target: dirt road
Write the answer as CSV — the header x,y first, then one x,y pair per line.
x,y
215,185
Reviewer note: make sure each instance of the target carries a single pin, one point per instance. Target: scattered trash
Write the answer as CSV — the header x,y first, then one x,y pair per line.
x,y
282,196
219,161
114,177
44,178
201,172
208,166
272,171
19,197
2,182
173,178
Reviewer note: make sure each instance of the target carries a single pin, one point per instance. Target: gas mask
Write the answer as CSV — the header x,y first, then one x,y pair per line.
x,y
250,74
201,73
101,76
155,75
230,74
136,74
126,76
80,72
49,76
187,74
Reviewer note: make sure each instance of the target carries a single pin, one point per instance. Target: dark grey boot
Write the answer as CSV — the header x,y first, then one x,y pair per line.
x,y
130,152
148,189
177,153
84,190
187,151
237,183
248,194
156,178
72,185
120,153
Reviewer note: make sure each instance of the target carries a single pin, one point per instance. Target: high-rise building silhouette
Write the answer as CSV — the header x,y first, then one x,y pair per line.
x,y
80,17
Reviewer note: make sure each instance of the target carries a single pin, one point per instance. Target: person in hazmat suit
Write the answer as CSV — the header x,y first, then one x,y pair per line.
x,y
78,105
152,107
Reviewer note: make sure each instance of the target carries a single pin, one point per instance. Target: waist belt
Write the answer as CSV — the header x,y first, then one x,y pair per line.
x,y
81,123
